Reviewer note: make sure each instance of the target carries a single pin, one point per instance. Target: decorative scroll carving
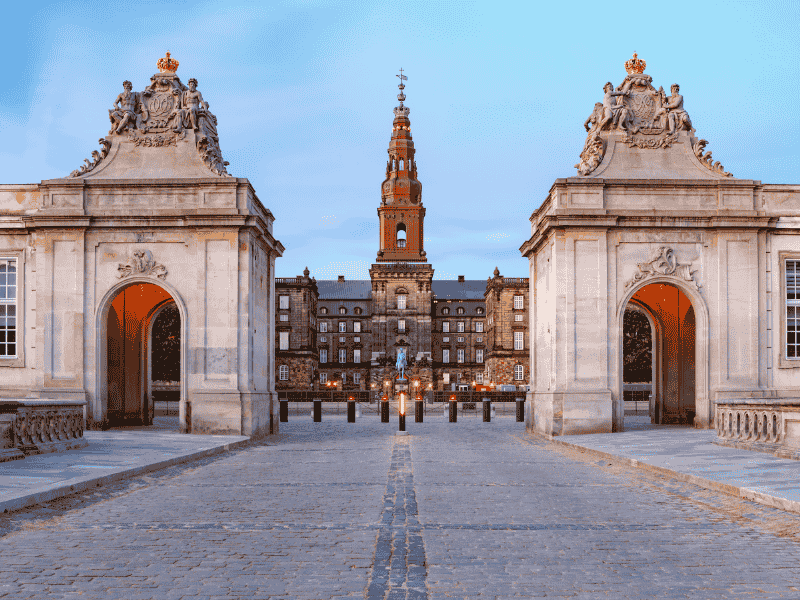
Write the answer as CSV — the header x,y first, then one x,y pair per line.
x,y
592,155
154,140
142,263
650,142
664,263
97,158
706,159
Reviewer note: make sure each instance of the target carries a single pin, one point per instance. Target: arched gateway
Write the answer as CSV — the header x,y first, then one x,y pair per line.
x,y
650,221
149,253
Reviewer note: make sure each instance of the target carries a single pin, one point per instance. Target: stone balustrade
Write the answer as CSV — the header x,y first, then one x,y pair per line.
x,y
40,426
770,427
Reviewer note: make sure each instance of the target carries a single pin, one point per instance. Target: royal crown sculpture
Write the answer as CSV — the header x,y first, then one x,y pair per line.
x,y
167,114
648,118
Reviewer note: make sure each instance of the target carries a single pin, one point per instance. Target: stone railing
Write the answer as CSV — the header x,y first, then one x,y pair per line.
x,y
761,426
40,426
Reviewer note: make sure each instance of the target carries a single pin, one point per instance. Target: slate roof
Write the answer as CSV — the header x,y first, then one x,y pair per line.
x,y
469,289
356,289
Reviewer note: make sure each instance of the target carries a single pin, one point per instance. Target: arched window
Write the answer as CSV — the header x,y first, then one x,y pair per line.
x,y
342,310
401,235
357,310
401,164
445,311
323,311
479,310
460,310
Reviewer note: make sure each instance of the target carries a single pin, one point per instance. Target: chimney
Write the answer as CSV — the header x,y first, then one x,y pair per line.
x,y
461,279
341,278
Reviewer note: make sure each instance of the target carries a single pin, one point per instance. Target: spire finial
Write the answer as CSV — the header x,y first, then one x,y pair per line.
x,y
401,96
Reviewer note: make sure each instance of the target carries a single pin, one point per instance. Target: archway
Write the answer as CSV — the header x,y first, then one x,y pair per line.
x,y
141,332
676,386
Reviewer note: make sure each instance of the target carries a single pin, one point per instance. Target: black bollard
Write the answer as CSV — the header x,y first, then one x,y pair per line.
x,y
351,410
418,410
284,411
317,411
520,410
453,410
487,410
385,410
402,421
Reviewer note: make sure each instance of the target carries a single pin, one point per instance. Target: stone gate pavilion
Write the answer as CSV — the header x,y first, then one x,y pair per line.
x,y
151,227
652,223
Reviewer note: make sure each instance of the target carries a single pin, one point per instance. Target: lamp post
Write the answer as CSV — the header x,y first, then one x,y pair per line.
x,y
402,430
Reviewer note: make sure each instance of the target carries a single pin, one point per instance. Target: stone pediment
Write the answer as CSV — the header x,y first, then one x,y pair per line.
x,y
639,132
164,131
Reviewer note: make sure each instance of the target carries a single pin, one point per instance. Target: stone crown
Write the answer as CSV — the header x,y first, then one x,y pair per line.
x,y
635,65
167,64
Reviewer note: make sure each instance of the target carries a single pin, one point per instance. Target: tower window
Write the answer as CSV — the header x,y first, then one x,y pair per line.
x,y
401,235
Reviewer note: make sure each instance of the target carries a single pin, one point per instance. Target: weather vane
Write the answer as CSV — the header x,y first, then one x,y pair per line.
x,y
401,96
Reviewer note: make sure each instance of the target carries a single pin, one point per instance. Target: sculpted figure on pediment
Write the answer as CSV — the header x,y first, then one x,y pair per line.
x,y
615,113
123,115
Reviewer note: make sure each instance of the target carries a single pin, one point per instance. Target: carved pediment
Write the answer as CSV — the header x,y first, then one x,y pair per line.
x,y
142,263
664,263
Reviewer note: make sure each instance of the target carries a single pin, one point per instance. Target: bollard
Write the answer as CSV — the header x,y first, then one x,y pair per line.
x,y
418,410
317,411
358,410
453,410
487,410
520,410
384,410
351,410
284,408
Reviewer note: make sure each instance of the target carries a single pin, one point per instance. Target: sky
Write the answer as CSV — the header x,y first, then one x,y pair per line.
x,y
303,92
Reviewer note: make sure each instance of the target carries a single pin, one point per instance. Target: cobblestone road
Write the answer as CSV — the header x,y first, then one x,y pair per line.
x,y
333,510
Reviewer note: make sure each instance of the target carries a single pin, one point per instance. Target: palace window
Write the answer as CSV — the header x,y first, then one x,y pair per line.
x,y
342,310
401,324
460,310
445,377
323,311
284,317
283,373
342,326
518,317
461,355
479,311
342,355
357,355
519,340
341,339
460,339
284,340
460,326
479,326
323,378
518,301
323,339
445,311
792,282
479,339
284,300
323,355
479,355
478,377
344,378
356,378
445,355
445,326
357,326
357,310
445,339
519,372
401,301
8,308
357,339
323,327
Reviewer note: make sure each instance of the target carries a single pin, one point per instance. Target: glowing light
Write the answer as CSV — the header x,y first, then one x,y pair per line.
x,y
402,403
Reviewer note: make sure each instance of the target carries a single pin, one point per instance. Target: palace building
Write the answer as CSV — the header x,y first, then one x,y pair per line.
x,y
347,334
145,273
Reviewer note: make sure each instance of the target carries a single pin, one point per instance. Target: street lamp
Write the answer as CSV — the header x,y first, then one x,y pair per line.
x,y
402,430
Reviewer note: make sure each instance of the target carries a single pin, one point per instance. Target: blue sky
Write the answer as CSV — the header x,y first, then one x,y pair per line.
x,y
498,92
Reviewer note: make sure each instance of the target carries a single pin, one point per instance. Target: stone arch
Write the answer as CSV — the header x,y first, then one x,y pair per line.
x,y
656,341
704,413
149,323
100,395
401,235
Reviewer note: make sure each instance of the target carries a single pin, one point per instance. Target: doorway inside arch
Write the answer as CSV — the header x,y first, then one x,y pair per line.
x,y
659,340
143,358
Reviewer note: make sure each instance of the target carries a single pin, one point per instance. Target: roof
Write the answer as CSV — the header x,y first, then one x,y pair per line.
x,y
470,289
332,289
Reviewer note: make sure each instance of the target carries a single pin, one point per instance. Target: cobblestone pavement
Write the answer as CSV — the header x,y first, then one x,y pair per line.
x,y
335,510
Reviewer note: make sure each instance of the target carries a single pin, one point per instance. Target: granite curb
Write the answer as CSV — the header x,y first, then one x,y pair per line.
x,y
78,484
725,488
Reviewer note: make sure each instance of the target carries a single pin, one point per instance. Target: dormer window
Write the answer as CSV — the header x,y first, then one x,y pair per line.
x,y
323,311
445,311
342,310
460,310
